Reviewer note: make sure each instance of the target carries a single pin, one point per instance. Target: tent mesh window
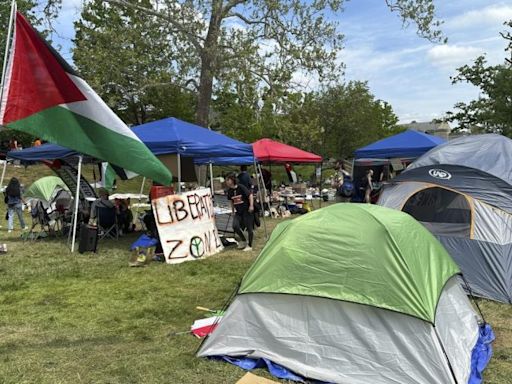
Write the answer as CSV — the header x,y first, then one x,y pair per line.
x,y
442,211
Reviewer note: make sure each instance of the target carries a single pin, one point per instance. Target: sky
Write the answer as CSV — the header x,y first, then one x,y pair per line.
x,y
407,71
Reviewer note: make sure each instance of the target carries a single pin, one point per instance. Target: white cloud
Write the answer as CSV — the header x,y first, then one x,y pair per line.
x,y
491,15
453,56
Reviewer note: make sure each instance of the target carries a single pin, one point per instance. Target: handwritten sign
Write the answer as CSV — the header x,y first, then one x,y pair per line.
x,y
186,225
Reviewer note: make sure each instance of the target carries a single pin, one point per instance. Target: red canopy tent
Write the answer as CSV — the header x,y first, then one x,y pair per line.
x,y
270,151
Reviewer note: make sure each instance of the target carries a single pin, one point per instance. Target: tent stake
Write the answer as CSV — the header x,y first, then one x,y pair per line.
x,y
77,197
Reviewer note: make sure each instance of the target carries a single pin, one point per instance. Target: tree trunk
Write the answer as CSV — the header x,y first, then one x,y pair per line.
x,y
209,61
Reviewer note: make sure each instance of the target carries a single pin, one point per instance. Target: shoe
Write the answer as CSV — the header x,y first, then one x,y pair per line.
x,y
9,231
25,228
247,249
242,245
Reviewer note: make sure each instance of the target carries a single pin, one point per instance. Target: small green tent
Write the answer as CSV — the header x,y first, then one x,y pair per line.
x,y
353,293
45,188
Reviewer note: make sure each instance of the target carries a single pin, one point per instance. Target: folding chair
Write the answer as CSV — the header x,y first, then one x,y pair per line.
x,y
107,223
42,225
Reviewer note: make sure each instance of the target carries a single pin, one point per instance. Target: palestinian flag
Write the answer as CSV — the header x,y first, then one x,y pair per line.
x,y
45,97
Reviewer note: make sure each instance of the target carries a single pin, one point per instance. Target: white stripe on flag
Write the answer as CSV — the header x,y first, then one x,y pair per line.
x,y
94,108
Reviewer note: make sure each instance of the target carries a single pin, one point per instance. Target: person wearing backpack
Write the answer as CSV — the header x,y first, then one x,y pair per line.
x,y
14,203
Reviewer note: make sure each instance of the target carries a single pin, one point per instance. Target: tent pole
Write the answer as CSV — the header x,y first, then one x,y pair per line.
x,y
263,181
179,173
140,195
211,180
77,197
3,174
258,175
7,46
321,183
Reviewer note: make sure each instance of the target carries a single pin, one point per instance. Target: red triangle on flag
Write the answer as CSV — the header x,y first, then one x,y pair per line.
x,y
37,79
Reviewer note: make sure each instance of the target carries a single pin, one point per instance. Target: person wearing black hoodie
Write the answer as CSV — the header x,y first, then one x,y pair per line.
x,y
14,203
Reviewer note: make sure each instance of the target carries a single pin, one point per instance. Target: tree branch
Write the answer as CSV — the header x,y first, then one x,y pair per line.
x,y
230,5
194,39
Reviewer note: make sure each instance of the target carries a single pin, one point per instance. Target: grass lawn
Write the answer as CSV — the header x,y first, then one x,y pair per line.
x,y
91,319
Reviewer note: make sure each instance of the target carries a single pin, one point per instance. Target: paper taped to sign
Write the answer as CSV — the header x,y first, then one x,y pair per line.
x,y
186,225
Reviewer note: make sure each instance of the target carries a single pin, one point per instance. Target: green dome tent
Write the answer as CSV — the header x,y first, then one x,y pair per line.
x,y
45,188
355,294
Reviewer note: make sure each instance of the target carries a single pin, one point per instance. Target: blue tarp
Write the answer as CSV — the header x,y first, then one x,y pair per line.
x,y
162,137
481,355
406,144
172,135
144,241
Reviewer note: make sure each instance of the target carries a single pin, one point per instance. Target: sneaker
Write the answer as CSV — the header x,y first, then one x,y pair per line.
x,y
242,245
25,228
9,231
247,249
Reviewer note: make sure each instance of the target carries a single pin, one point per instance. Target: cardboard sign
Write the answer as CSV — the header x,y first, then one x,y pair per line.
x,y
186,225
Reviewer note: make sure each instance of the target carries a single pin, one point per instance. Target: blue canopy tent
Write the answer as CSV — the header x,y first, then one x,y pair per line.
x,y
166,136
408,144
171,135
43,152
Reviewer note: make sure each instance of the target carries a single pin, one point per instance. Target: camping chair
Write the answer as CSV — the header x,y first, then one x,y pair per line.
x,y
107,223
62,207
42,225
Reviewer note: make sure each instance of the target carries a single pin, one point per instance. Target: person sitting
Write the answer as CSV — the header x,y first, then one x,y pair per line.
x,y
101,202
124,215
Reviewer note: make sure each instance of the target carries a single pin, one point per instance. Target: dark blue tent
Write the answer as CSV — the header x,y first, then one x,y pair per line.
x,y
43,152
162,137
408,144
172,135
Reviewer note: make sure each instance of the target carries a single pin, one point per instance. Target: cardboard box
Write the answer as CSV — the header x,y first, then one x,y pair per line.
x,y
249,378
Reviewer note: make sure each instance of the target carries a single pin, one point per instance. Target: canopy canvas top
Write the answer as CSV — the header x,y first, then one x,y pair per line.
x,y
409,143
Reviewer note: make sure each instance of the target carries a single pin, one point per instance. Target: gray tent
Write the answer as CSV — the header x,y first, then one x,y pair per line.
x,y
462,192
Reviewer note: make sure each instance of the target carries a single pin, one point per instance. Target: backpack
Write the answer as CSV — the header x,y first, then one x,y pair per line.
x,y
347,189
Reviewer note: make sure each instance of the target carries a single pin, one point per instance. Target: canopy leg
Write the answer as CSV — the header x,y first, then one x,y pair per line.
x,y
77,198
258,175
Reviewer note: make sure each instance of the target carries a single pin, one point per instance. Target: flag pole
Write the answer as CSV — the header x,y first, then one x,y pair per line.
x,y
77,197
7,44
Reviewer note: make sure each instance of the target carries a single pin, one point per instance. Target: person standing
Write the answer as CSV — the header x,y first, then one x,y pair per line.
x,y
368,184
13,144
14,203
244,178
242,205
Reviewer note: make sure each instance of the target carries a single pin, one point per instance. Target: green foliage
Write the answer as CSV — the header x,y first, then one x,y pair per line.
x,y
332,122
492,111
124,56
40,13
351,117
421,13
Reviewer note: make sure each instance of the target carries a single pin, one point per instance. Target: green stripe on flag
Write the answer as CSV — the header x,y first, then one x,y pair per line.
x,y
60,125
